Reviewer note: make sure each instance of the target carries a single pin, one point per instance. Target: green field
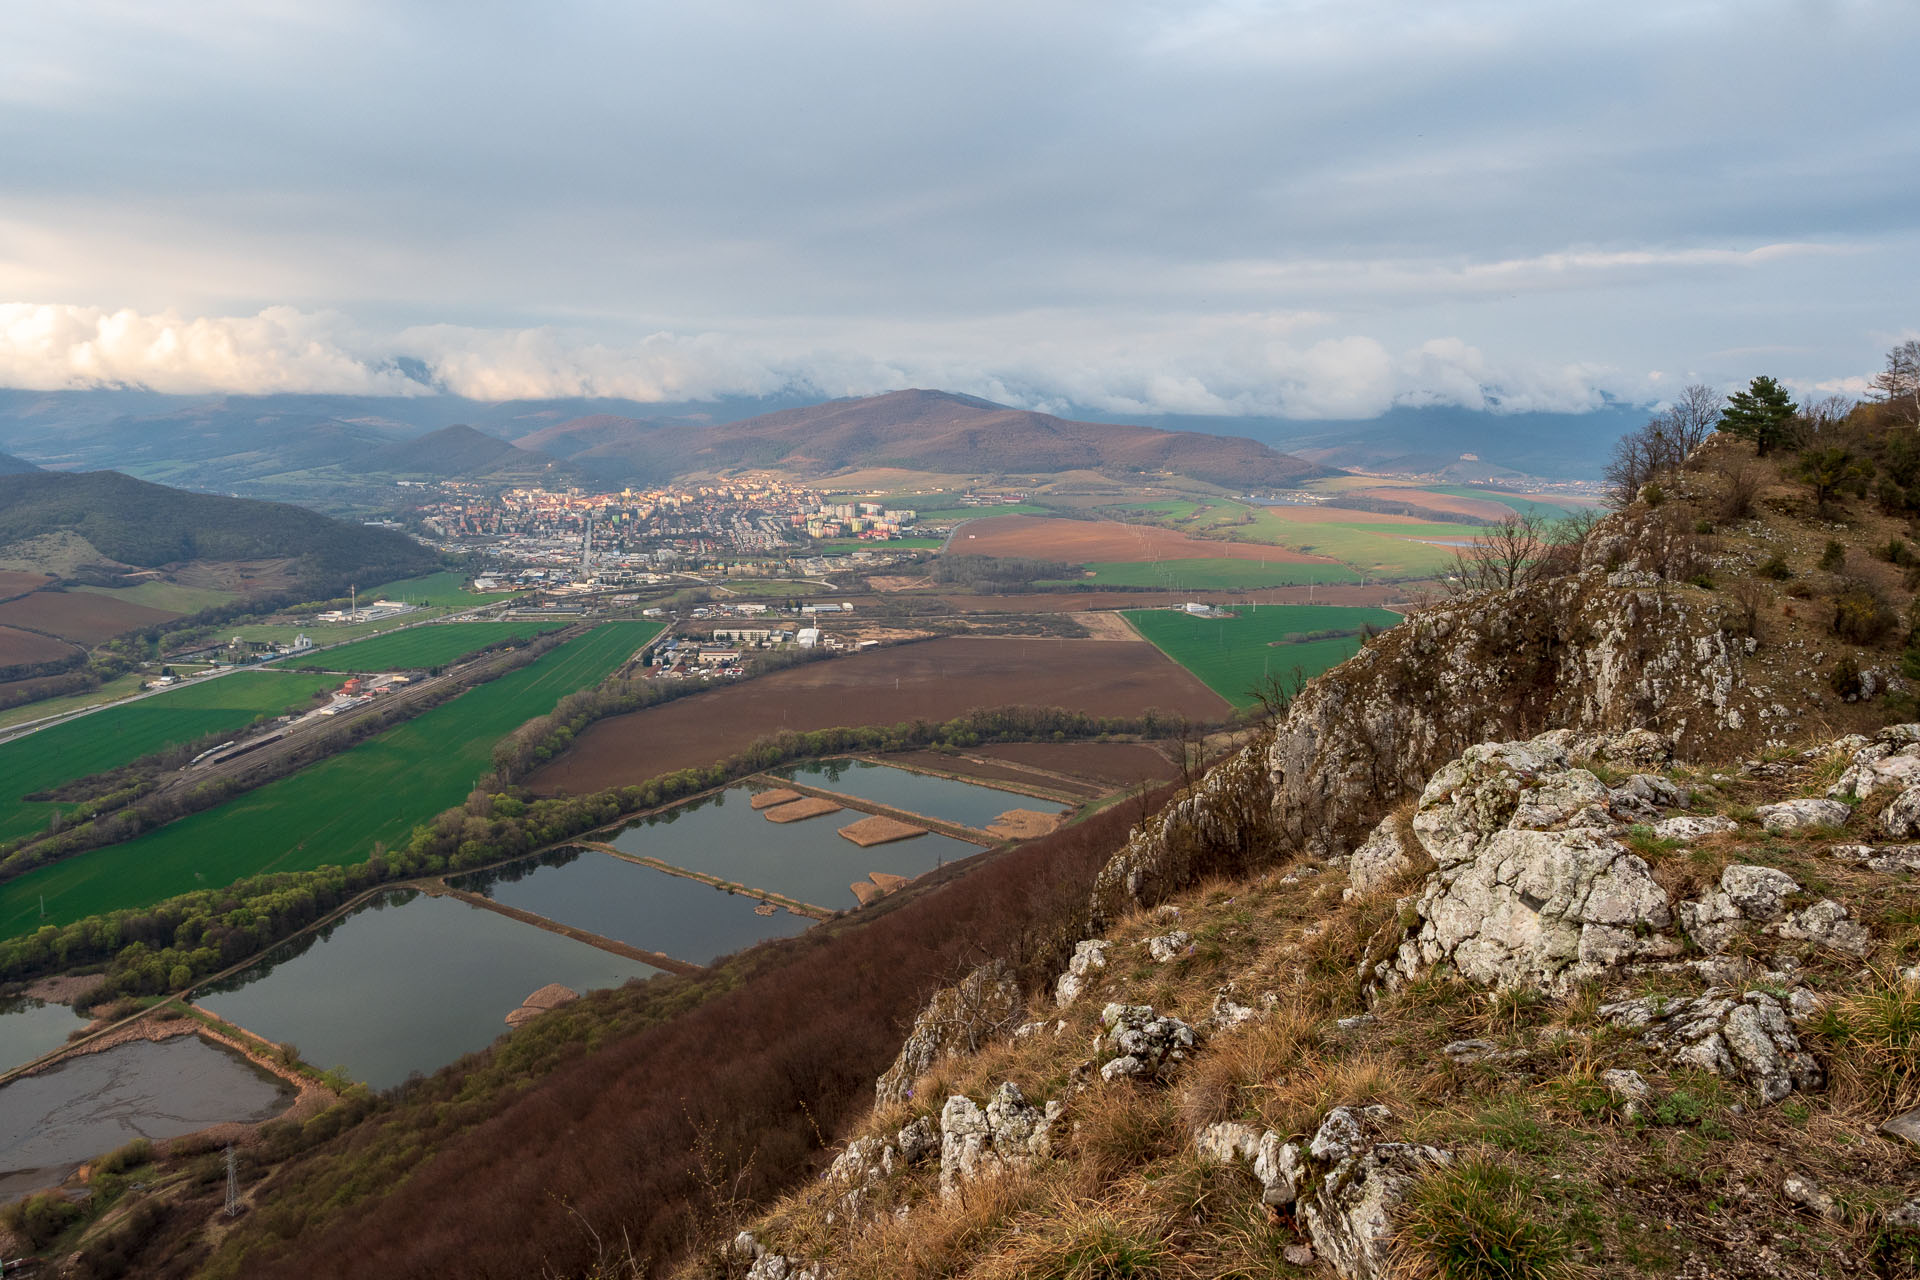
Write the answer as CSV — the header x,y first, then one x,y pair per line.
x,y
170,596
1212,575
120,735
1363,546
1543,508
447,590
1234,656
111,691
330,813
418,648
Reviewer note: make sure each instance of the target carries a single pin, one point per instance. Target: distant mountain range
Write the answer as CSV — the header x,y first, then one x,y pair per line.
x,y
916,431
12,466
341,453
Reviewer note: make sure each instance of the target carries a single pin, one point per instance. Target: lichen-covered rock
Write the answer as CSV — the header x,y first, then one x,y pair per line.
x,y
1687,827
1008,1133
1168,947
1362,1183
1901,819
1827,924
1381,859
1144,1044
1088,957
768,1265
1630,1088
1798,815
1642,797
959,1019
1746,893
1886,859
1750,1038
1276,1163
1876,768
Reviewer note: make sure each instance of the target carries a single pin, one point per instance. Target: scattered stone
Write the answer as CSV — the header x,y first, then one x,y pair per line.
x,y
1087,957
1465,1052
1277,1164
1358,1022
1802,1190
1298,1255
1901,819
1349,1215
1630,1088
1146,1045
1876,768
1688,827
1168,947
1886,859
1798,815
1826,924
1746,893
1906,1125
1642,797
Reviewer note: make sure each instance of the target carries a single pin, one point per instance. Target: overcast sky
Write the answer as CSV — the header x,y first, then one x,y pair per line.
x,y
1308,209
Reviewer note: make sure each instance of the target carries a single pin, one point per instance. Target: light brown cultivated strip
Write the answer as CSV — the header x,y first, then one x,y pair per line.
x,y
1023,824
887,881
551,996
878,830
866,892
807,807
768,799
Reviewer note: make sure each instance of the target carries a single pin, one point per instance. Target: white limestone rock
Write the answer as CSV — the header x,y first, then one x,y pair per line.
x,y
1380,860
958,1019
1145,1044
1750,1038
1827,924
1688,827
1746,893
1798,815
1350,1213
1901,819
1088,958
1167,948
1008,1133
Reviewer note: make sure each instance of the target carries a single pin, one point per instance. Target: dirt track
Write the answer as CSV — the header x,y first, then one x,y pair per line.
x,y
934,680
1076,541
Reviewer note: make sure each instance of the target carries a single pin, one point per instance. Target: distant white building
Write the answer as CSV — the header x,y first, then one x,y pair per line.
x,y
1198,610
808,637
302,641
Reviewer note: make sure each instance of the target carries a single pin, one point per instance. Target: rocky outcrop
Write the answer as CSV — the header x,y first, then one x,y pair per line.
x,y
1279,1165
1008,1133
1574,652
1798,815
1750,1037
768,1265
959,1019
1144,1045
1169,947
1224,826
1088,958
1382,858
1531,885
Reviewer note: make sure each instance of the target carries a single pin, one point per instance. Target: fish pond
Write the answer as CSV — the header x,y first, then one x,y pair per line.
x,y
29,1028
723,835
639,906
406,983
968,803
53,1121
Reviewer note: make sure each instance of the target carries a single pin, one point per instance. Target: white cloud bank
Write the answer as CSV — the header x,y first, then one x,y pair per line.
x,y
1231,365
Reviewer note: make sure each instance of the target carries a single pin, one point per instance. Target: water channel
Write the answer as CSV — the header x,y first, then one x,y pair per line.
x,y
639,906
724,836
971,804
407,983
88,1105
29,1028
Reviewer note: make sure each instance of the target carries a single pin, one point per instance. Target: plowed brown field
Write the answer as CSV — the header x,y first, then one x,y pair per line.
x,y
17,648
79,616
1080,541
14,583
934,680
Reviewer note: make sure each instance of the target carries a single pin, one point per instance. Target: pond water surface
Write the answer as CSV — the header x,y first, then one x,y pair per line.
x,y
407,983
29,1028
970,804
52,1122
639,906
810,860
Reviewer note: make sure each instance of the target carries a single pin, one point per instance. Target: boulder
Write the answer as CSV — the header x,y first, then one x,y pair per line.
x,y
1877,768
1746,893
1827,924
1277,1164
1798,815
959,1019
1687,827
1350,1213
1088,957
1145,1045
1901,819
1168,947
1886,859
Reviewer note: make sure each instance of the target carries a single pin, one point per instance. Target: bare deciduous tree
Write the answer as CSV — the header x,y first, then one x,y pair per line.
x,y
1663,444
1504,556
1899,383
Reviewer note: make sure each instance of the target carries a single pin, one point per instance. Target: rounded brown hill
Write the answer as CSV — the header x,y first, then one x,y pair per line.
x,y
1077,541
934,680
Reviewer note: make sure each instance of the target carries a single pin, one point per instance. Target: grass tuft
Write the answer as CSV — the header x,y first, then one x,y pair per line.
x,y
1481,1221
